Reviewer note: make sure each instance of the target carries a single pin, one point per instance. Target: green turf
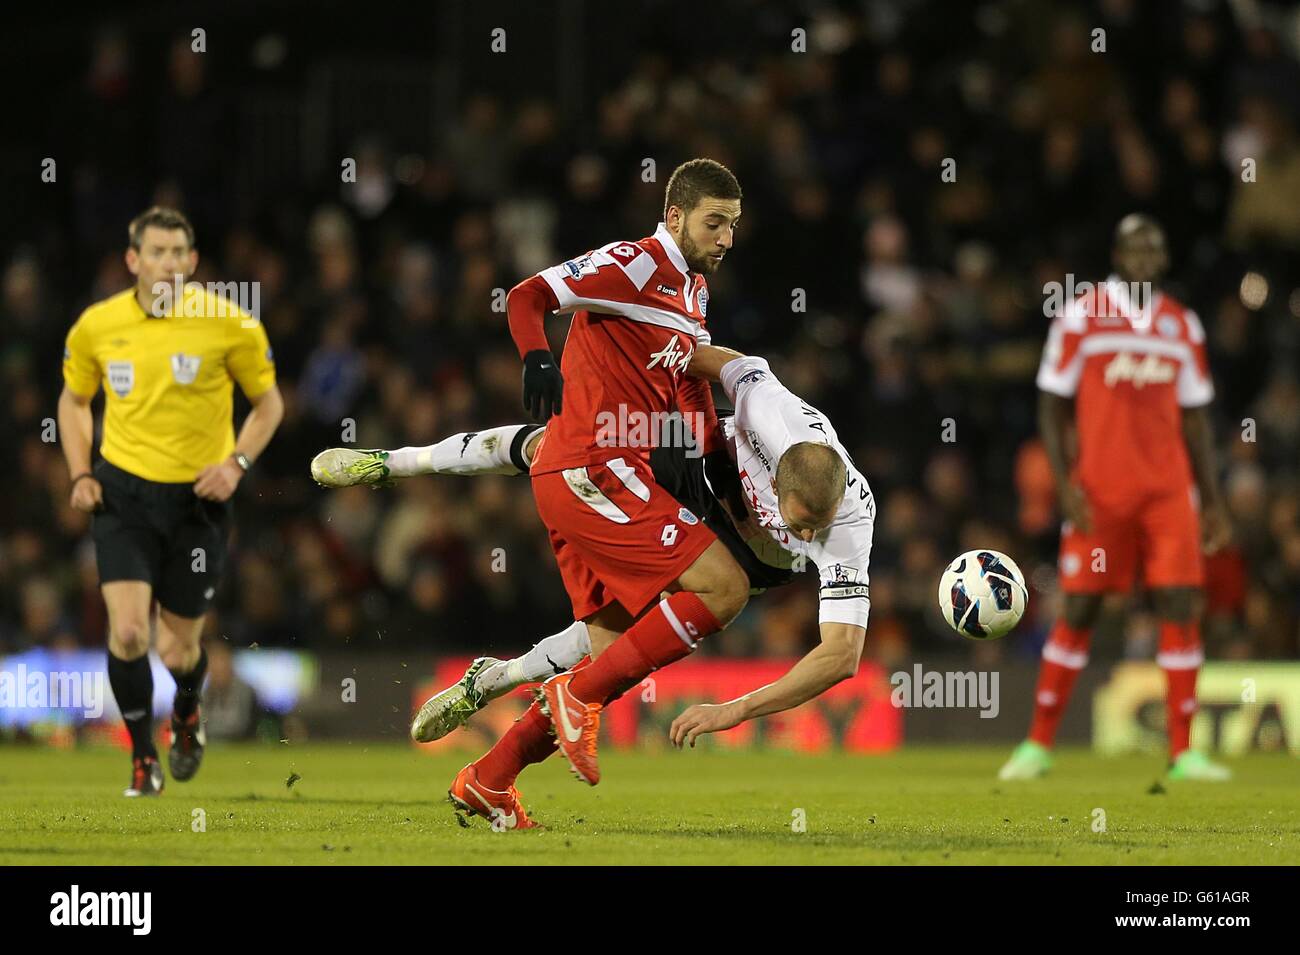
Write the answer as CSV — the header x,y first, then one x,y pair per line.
x,y
385,804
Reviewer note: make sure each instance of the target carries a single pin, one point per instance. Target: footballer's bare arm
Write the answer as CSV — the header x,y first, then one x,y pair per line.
x,y
77,435
1055,416
834,659
708,360
1216,530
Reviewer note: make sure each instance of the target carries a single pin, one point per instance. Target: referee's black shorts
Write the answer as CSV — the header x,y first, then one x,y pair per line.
x,y
163,534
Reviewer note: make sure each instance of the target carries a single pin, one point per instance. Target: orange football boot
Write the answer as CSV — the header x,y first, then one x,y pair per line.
x,y
575,724
502,809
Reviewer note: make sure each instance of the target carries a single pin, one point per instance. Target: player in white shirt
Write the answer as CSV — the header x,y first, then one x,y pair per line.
x,y
769,421
805,503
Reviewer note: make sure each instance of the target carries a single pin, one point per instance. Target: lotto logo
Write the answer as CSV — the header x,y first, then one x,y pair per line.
x,y
669,536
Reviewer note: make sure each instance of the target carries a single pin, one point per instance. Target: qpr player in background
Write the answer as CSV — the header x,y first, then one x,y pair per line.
x,y
1125,365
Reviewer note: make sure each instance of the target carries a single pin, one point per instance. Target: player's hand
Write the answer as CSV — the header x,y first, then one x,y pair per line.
x,y
704,718
87,495
217,482
1074,507
543,385
725,481
1216,529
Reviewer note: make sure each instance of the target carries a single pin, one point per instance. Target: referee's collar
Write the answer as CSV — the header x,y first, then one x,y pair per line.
x,y
144,312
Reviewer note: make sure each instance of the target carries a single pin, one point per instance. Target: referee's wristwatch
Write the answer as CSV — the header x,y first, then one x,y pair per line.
x,y
242,461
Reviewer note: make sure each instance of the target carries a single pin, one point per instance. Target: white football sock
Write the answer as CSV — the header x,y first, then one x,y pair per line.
x,y
492,451
550,656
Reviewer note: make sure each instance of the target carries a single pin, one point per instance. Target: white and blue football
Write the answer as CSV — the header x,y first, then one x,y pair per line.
x,y
982,594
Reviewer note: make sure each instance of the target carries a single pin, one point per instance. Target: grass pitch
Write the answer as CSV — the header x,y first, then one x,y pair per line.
x,y
386,805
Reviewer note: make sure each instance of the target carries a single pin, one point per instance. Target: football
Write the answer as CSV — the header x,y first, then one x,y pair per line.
x,y
982,594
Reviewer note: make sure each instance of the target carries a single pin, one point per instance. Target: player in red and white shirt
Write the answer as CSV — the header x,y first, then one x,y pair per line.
x,y
620,540
1125,364
803,501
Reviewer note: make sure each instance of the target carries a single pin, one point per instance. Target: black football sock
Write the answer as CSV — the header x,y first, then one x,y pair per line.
x,y
132,683
188,686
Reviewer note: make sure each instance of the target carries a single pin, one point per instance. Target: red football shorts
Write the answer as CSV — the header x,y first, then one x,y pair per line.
x,y
1161,533
617,535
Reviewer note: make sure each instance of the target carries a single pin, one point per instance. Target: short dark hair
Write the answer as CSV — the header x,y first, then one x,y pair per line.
x,y
699,179
162,218
814,473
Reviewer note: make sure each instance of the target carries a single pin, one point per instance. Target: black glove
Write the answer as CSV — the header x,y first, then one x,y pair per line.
x,y
543,384
725,481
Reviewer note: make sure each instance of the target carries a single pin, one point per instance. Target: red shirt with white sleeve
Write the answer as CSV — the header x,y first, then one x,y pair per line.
x,y
638,314
1131,370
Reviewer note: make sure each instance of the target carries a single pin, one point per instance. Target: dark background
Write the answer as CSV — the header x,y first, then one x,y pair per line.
x,y
924,297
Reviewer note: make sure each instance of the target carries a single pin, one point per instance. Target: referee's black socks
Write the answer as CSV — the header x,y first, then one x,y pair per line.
x,y
132,683
188,686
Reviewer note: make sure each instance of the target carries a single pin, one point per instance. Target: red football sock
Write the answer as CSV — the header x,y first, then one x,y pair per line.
x,y
1180,656
528,741
1064,655
667,633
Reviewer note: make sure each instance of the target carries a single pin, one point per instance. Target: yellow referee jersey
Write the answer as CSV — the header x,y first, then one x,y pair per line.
x,y
168,382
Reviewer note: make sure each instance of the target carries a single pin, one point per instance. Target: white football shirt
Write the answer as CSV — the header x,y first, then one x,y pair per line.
x,y
769,418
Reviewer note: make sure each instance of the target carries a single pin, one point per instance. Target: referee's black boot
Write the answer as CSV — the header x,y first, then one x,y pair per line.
x,y
146,777
188,740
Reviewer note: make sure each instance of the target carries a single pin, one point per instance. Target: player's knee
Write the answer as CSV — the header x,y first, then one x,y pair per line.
x,y
1176,604
1081,610
129,638
729,595
176,658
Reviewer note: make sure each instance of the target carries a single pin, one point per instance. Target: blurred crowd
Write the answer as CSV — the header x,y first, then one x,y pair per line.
x,y
912,182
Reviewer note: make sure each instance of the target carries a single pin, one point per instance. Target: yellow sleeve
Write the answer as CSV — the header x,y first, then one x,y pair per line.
x,y
81,372
249,361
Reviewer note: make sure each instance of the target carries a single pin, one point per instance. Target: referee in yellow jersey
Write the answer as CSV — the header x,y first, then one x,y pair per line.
x,y
169,464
